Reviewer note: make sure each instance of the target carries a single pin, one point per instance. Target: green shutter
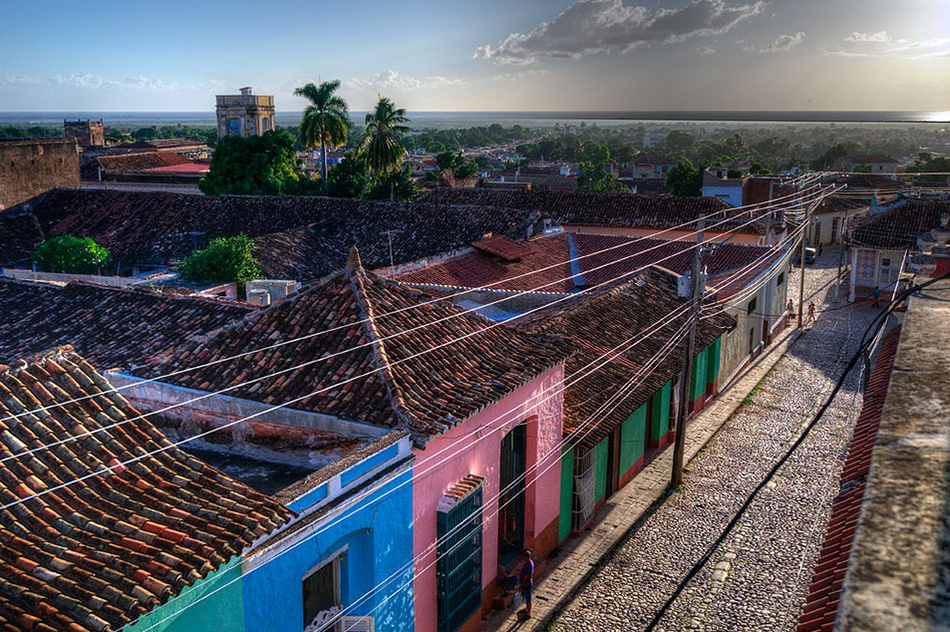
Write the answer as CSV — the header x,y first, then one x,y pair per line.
x,y
567,494
600,484
459,569
697,378
633,436
712,366
660,423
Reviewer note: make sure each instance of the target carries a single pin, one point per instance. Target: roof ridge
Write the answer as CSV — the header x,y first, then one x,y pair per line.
x,y
358,277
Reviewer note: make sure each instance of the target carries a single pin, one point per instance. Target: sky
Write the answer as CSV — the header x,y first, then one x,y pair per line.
x,y
479,55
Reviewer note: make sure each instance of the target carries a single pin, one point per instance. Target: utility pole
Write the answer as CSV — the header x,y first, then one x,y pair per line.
x,y
801,263
696,295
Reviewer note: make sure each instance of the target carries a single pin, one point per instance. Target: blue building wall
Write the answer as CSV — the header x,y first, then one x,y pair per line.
x,y
378,534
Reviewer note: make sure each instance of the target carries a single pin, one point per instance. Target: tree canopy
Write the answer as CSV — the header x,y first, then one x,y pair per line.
x,y
67,253
255,165
595,178
225,260
382,145
684,179
326,120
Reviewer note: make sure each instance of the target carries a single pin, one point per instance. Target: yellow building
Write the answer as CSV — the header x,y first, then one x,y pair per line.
x,y
244,114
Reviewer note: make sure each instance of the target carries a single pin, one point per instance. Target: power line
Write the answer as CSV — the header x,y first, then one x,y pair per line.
x,y
434,300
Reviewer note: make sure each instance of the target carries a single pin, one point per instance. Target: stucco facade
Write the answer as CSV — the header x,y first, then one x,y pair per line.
x,y
473,447
244,114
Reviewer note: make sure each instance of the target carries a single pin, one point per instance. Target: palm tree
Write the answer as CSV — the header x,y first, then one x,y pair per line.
x,y
381,146
325,121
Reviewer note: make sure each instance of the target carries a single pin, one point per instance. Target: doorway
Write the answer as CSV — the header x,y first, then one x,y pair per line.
x,y
511,502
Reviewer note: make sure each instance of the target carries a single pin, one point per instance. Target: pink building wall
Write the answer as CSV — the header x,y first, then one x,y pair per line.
x,y
540,402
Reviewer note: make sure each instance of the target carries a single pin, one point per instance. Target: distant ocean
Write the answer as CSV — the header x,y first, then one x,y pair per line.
x,y
528,119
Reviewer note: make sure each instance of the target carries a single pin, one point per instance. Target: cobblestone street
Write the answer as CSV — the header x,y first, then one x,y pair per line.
x,y
758,578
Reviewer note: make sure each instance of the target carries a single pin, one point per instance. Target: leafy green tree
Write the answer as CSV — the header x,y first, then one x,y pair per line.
x,y
758,169
225,260
347,178
66,253
677,141
395,185
447,160
326,120
483,162
594,178
382,146
838,150
683,179
256,165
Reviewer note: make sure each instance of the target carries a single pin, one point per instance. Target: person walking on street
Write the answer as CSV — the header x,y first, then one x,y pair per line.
x,y
791,310
526,583
810,319
877,297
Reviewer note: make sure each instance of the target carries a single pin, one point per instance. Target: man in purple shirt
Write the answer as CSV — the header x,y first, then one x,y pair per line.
x,y
525,583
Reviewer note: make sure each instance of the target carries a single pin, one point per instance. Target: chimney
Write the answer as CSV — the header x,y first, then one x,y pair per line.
x,y
353,260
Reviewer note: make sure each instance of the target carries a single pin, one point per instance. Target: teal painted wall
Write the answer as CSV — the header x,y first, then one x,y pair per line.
x,y
222,612
712,367
660,423
697,378
567,493
600,484
633,439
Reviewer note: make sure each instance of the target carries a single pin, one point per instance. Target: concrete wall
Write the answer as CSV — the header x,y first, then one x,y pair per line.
x,y
731,195
474,447
60,277
31,167
222,612
771,300
375,537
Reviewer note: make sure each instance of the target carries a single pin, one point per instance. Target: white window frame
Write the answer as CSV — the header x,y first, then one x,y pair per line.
x,y
335,558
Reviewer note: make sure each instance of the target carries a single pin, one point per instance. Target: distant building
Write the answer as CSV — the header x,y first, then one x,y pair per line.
x,y
244,114
876,163
718,184
648,167
31,167
87,133
652,139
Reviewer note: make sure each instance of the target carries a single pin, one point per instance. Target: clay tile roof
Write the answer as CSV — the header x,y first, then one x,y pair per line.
x,y
898,228
100,553
142,161
598,323
306,237
824,592
841,204
597,259
427,394
111,327
867,158
414,231
502,247
598,209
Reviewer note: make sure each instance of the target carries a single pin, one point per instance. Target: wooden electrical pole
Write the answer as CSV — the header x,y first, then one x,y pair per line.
x,y
695,296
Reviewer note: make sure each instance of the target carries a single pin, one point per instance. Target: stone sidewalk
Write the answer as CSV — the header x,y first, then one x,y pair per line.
x,y
580,556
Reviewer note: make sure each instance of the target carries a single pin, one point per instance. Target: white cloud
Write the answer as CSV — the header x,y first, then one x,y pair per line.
x,y
392,80
77,80
929,43
706,50
523,74
783,43
608,26
880,36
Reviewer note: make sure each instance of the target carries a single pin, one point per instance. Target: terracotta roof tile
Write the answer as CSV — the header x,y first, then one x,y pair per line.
x,y
426,394
821,605
111,327
502,247
600,259
898,228
308,236
597,209
598,323
74,558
